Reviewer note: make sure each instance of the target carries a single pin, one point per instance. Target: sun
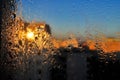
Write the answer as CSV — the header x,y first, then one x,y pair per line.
x,y
30,35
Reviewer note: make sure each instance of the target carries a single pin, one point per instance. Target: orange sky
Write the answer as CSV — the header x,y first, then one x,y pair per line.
x,y
107,45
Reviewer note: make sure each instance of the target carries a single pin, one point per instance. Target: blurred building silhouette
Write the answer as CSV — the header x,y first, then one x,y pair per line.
x,y
59,67
85,65
106,69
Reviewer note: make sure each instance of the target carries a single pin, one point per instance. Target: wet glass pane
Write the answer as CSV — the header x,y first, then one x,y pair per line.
x,y
59,40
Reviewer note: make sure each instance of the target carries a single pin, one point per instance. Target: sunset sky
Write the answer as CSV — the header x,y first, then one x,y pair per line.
x,y
75,16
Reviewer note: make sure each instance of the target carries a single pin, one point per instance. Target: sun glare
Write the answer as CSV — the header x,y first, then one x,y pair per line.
x,y
30,35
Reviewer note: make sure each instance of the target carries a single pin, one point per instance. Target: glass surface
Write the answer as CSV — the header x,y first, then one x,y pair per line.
x,y
60,39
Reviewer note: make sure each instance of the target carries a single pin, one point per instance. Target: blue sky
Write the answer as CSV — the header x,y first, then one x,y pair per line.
x,y
75,16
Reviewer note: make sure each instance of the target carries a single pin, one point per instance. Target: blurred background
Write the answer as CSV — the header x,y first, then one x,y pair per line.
x,y
59,40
